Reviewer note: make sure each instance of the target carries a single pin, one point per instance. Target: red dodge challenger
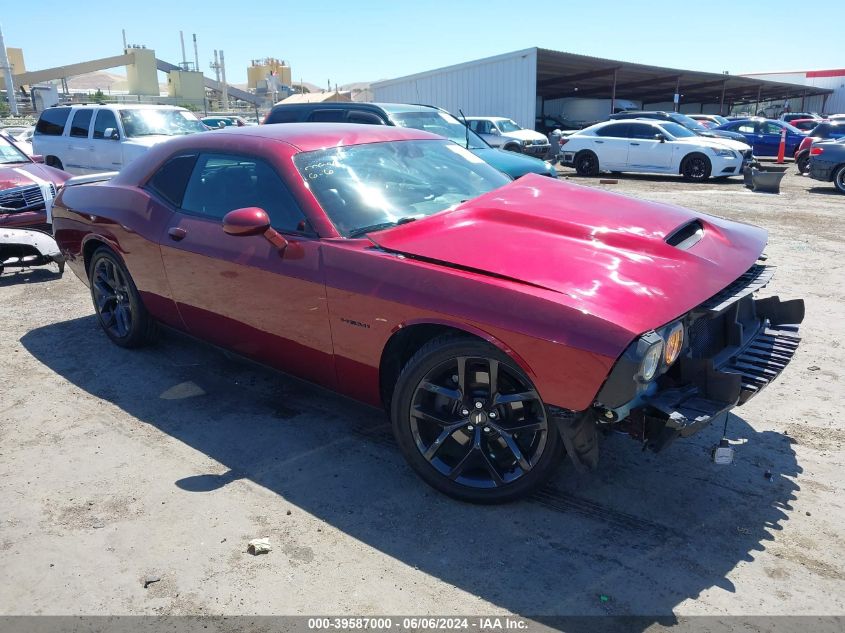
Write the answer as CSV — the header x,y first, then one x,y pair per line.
x,y
501,323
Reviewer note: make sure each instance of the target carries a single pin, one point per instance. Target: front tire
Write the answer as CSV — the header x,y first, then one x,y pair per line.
x,y
471,424
118,304
696,167
839,178
586,163
513,147
52,161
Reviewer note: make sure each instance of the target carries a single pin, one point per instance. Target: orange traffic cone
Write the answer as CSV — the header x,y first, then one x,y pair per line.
x,y
782,148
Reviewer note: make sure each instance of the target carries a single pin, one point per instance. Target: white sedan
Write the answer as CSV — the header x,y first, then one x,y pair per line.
x,y
652,146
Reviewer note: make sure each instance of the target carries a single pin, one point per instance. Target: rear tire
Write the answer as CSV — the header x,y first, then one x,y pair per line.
x,y
803,163
696,167
839,178
586,163
117,303
471,424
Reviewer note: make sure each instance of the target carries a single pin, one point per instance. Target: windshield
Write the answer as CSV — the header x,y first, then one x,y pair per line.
x,y
676,130
438,122
506,125
687,122
378,185
10,154
722,120
159,123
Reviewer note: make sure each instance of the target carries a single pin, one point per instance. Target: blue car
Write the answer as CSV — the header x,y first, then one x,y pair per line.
x,y
763,135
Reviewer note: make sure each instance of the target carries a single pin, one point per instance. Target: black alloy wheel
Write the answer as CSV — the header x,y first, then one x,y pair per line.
x,y
587,164
471,423
839,178
117,303
696,167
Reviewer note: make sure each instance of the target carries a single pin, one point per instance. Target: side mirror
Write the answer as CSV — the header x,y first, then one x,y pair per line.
x,y
253,221
246,221
660,137
37,158
495,132
111,134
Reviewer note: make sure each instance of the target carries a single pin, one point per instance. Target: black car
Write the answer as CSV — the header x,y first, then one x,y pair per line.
x,y
681,119
420,117
827,163
548,123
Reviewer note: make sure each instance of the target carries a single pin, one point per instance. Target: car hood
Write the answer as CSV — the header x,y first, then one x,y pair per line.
x,y
527,135
147,141
717,133
513,164
23,174
603,254
719,143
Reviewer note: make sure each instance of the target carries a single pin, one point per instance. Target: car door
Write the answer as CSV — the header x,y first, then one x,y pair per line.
x,y
105,139
750,131
80,152
646,152
768,134
242,292
610,144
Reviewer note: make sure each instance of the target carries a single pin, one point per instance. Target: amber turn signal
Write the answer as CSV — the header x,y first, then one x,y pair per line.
x,y
674,344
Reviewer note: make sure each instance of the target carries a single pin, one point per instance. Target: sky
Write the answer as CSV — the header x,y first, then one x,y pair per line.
x,y
343,41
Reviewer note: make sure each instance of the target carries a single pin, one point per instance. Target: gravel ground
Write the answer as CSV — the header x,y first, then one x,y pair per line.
x,y
117,466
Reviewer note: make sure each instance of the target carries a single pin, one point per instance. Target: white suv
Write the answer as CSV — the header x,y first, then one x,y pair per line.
x,y
506,134
84,139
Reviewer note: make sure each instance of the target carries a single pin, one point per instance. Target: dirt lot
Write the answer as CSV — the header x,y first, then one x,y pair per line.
x,y
116,465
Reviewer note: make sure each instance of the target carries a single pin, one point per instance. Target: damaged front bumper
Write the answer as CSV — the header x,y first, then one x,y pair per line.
x,y
735,346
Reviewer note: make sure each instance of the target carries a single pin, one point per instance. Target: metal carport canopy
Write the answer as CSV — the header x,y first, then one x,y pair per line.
x,y
568,75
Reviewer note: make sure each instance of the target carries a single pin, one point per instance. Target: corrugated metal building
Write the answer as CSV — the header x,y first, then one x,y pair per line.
x,y
504,84
526,83
831,79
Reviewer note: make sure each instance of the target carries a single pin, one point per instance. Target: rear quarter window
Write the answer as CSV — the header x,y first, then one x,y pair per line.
x,y
171,178
284,115
52,121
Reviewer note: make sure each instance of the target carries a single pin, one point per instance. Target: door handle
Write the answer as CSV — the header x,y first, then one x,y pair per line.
x,y
176,234
599,142
634,143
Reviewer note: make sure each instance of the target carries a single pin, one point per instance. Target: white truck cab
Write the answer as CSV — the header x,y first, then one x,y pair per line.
x,y
85,139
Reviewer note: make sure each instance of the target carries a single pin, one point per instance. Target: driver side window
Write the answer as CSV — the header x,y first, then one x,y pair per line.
x,y
221,183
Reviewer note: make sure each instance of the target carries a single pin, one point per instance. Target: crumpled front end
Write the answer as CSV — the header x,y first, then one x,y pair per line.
x,y
733,346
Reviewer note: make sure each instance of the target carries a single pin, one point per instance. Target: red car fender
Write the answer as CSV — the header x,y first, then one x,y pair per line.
x,y
475,331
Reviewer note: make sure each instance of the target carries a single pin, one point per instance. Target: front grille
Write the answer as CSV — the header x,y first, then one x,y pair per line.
x,y
22,198
706,337
762,360
751,281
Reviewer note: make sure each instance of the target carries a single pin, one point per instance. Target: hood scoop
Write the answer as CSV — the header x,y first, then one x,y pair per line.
x,y
686,236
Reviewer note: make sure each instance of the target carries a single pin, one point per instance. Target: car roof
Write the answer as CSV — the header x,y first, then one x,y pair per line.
x,y
119,106
313,136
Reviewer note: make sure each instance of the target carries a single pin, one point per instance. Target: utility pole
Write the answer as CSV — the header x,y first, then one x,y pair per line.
x,y
196,55
225,87
7,74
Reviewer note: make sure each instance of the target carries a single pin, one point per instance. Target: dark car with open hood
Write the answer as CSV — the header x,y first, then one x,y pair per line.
x,y
501,324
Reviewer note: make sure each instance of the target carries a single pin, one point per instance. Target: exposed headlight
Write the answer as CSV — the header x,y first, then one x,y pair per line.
x,y
651,361
527,142
728,153
674,344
